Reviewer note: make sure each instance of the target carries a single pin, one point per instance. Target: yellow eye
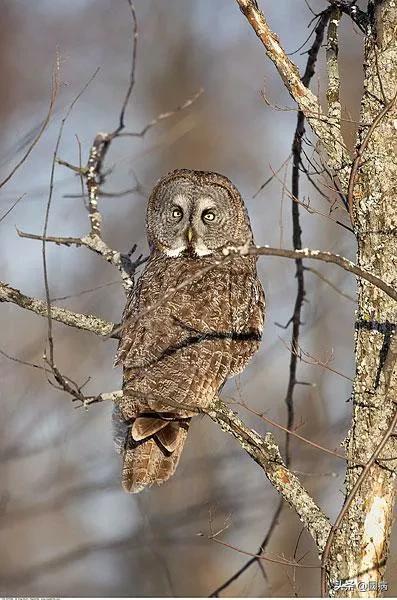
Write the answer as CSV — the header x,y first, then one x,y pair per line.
x,y
177,213
208,216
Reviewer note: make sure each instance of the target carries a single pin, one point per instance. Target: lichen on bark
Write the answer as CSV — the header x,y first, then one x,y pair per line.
x,y
361,545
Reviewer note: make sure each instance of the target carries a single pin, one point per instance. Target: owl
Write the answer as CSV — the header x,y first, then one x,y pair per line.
x,y
177,355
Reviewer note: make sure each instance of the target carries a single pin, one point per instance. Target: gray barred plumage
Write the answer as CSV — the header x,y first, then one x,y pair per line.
x,y
177,357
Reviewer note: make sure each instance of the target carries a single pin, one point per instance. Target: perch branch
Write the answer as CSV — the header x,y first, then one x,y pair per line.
x,y
230,251
266,453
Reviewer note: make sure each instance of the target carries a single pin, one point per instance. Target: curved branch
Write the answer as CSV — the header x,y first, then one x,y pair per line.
x,y
328,257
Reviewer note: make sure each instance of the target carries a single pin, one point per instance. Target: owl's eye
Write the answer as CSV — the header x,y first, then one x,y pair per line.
x,y
177,213
208,216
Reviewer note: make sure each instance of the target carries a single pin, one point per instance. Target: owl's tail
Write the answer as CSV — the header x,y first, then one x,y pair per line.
x,y
152,451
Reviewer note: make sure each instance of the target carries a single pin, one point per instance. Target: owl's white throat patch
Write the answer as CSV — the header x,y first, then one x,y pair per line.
x,y
199,249
174,252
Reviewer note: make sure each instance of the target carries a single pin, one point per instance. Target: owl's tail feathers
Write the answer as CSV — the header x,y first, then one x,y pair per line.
x,y
152,452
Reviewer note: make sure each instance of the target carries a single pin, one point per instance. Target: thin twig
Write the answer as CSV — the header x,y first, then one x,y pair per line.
x,y
163,116
54,94
131,83
294,433
11,207
307,358
280,561
23,362
47,212
331,285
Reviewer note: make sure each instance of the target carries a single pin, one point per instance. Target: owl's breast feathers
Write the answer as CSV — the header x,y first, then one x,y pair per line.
x,y
177,356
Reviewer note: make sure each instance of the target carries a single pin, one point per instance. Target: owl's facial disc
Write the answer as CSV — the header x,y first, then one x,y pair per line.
x,y
195,216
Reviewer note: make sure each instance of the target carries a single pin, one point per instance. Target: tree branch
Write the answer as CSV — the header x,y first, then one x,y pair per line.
x,y
266,453
327,257
67,317
325,129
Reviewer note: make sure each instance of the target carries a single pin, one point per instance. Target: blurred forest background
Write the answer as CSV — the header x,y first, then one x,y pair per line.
x,y
66,527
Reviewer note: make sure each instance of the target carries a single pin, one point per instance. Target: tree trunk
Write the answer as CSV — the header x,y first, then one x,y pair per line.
x,y
361,544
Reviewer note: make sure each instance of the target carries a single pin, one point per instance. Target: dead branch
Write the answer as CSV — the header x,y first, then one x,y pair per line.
x,y
280,561
327,257
13,205
293,433
80,321
163,116
331,285
266,453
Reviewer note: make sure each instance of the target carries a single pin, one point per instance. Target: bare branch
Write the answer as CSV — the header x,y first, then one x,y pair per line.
x,y
266,453
280,561
329,134
54,93
327,257
67,317
132,72
163,116
331,285
13,205
293,433
93,242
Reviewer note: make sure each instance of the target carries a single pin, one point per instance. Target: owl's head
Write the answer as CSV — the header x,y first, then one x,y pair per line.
x,y
196,212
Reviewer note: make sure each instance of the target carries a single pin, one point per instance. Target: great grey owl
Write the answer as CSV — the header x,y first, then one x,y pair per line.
x,y
177,355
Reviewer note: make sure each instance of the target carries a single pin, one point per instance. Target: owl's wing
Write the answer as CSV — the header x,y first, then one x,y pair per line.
x,y
177,356
247,301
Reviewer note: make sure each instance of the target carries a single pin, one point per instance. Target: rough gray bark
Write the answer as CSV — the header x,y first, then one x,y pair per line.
x,y
358,544
361,545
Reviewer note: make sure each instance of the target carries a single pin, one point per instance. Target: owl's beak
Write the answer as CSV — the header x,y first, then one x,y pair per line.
x,y
189,234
